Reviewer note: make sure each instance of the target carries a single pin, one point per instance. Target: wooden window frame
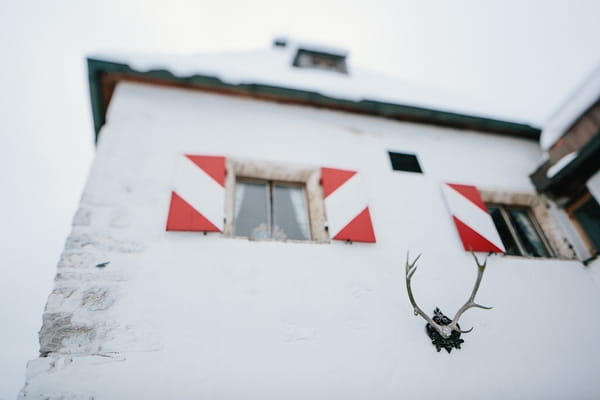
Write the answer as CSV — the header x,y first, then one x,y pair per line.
x,y
269,187
555,240
504,212
582,234
286,174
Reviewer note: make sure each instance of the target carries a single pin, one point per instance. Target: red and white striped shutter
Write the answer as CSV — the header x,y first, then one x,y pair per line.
x,y
346,205
198,196
472,219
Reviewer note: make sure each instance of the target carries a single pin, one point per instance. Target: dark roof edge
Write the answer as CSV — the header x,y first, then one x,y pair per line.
x,y
97,69
580,169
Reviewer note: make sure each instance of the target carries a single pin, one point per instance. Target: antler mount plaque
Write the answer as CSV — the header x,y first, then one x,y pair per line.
x,y
443,331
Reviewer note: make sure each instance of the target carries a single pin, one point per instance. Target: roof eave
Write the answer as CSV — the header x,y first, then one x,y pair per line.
x,y
100,92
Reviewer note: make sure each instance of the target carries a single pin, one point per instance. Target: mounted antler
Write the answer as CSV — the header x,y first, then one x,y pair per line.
x,y
445,330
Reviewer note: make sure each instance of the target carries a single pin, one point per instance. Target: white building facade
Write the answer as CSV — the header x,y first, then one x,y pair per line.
x,y
244,238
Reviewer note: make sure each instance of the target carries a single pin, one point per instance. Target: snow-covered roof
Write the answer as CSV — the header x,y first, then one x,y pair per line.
x,y
320,48
584,96
273,68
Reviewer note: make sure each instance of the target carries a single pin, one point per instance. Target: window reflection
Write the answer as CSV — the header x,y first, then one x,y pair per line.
x,y
518,231
504,231
289,212
251,211
530,241
269,210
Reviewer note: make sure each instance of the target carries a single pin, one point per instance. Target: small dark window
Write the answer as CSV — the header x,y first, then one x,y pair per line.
x,y
280,42
585,212
405,162
320,60
271,210
519,231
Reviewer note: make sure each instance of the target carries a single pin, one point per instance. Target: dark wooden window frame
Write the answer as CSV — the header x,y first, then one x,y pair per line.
x,y
570,209
504,212
540,209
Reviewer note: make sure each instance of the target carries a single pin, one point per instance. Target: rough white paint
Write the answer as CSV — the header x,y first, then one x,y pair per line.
x,y
185,315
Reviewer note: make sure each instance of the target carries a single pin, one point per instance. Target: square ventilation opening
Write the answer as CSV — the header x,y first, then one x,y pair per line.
x,y
405,162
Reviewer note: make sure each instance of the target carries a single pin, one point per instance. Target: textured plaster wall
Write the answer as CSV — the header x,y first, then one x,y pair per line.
x,y
138,312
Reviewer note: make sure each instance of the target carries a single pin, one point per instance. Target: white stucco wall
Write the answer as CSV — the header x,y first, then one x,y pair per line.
x,y
184,315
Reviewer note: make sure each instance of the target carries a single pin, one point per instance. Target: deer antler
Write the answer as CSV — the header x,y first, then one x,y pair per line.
x,y
411,268
445,330
471,301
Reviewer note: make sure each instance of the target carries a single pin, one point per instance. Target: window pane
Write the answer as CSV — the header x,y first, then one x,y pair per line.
x,y
527,234
507,238
588,215
290,219
251,210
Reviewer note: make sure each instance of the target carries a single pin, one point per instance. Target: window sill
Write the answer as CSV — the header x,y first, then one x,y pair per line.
x,y
557,258
312,241
587,261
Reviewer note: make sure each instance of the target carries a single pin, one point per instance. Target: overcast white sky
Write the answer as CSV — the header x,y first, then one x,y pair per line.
x,y
511,54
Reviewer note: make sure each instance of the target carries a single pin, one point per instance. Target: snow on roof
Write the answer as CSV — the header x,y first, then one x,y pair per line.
x,y
578,103
274,67
561,164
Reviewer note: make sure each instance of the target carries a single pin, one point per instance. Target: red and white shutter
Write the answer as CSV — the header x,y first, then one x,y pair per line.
x,y
472,219
198,196
346,204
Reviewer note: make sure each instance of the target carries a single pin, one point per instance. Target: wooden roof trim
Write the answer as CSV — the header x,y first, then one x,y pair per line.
x,y
104,76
